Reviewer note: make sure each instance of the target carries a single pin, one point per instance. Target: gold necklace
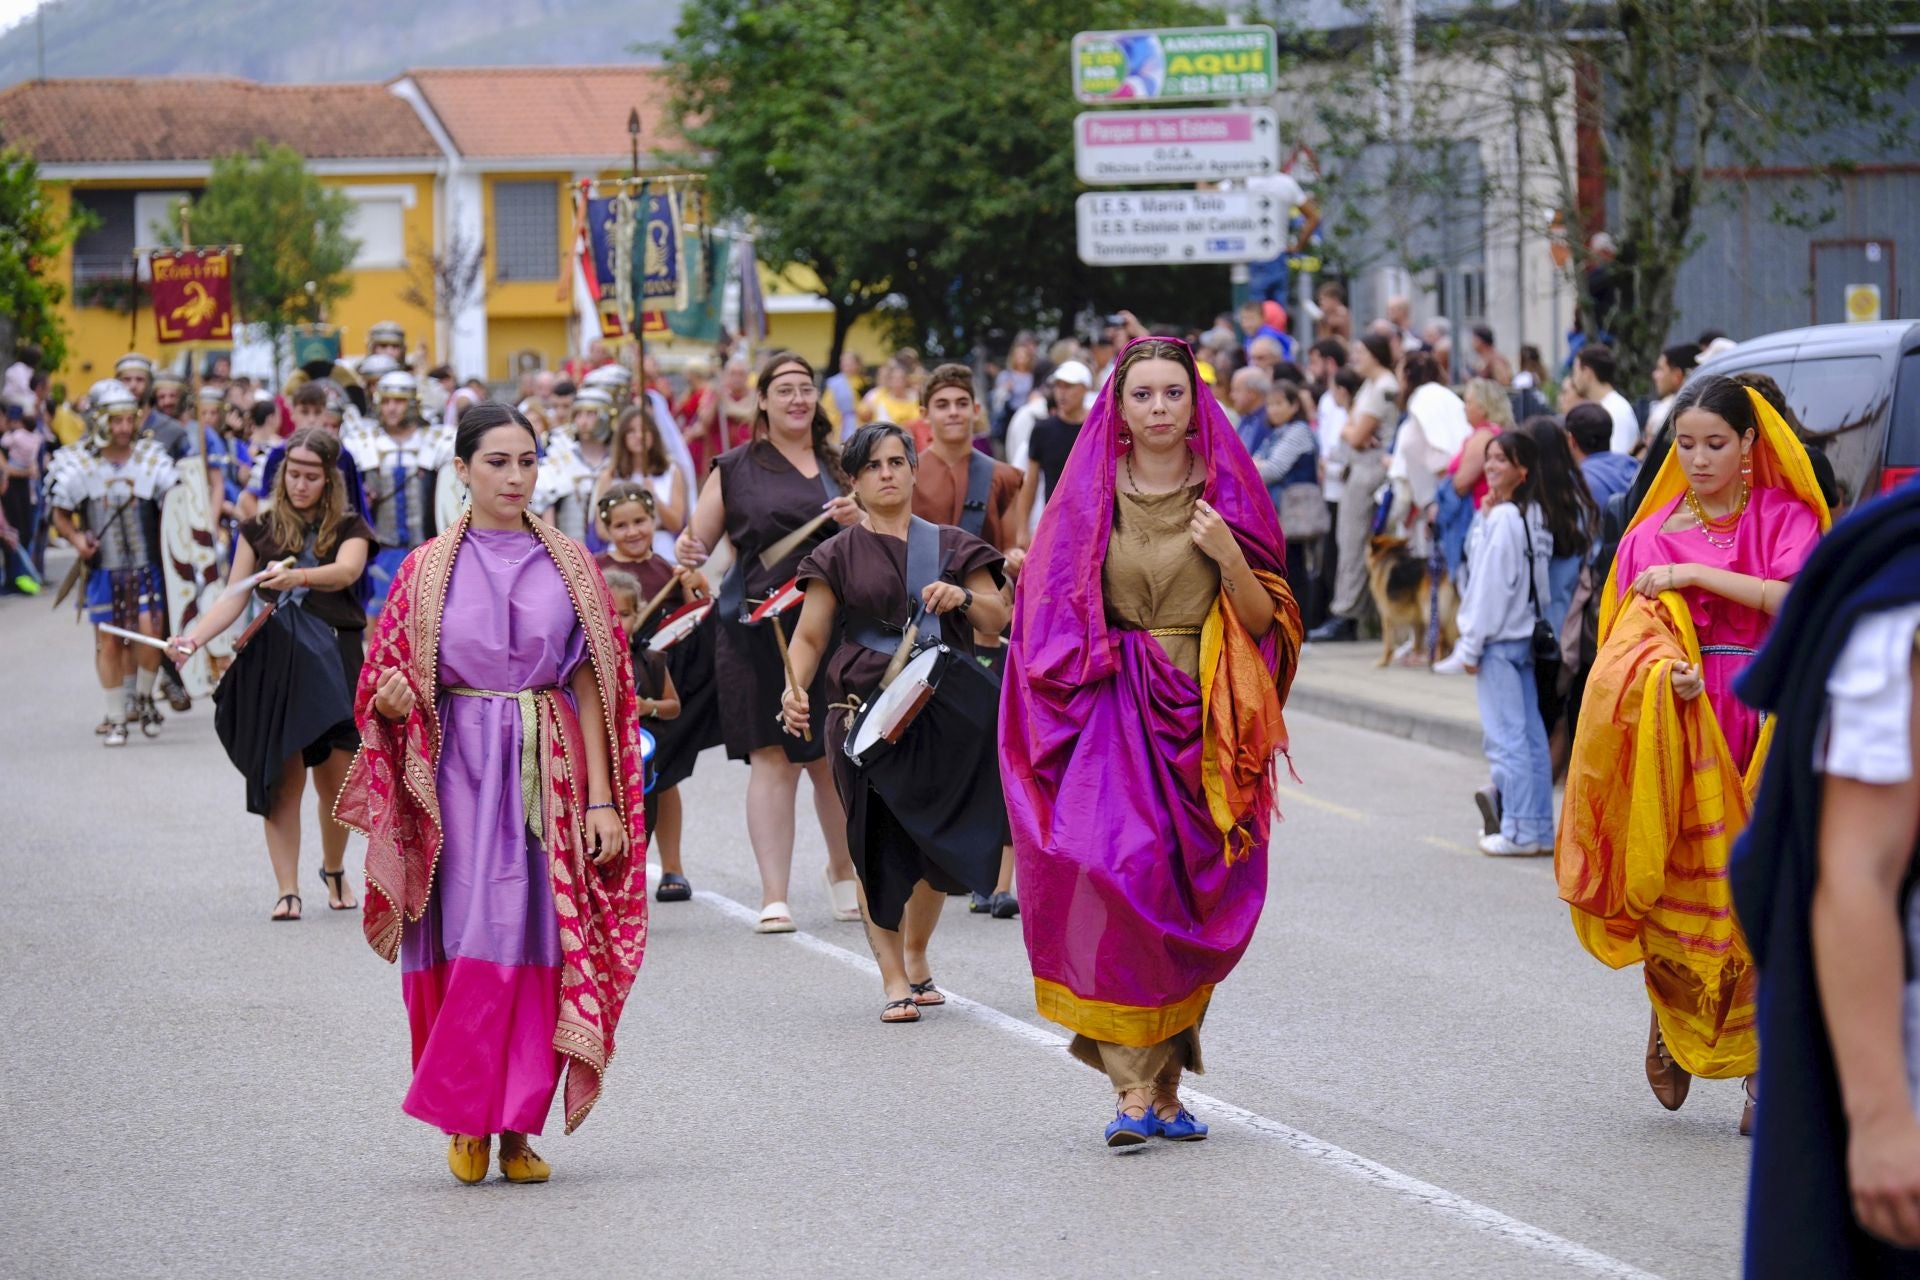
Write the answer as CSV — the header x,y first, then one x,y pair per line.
x,y
1711,526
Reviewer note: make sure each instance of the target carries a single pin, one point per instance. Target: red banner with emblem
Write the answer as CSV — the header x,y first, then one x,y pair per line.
x,y
193,294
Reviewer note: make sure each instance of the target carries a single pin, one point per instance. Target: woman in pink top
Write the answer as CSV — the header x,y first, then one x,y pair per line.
x,y
1489,412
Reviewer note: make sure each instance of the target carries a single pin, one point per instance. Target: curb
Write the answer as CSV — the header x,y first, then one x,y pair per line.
x,y
1435,731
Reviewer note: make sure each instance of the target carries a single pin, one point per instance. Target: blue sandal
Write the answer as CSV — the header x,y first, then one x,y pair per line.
x,y
1130,1131
1181,1128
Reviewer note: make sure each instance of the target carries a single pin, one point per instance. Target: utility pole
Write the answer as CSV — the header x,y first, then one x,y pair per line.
x,y
640,302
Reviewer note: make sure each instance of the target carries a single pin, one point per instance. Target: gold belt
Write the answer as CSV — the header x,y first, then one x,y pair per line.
x,y
529,700
1173,631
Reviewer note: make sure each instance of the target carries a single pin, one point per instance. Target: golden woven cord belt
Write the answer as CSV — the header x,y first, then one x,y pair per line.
x,y
529,700
1173,631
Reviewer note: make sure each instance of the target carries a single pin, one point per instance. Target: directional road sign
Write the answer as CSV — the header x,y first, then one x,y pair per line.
x,y
1197,145
1175,228
1175,62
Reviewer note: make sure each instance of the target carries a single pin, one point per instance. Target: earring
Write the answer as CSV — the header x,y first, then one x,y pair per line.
x,y
1126,436
1746,467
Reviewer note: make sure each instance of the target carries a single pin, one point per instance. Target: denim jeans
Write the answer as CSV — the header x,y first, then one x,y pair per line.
x,y
1515,741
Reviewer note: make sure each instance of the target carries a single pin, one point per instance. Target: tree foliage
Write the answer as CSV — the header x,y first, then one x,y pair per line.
x,y
1669,98
918,150
33,233
293,231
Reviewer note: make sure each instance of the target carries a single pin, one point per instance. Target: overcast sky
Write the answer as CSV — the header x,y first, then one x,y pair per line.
x,y
11,11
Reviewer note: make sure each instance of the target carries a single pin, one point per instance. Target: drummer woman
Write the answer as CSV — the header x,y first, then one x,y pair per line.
x,y
262,700
626,511
784,477
861,575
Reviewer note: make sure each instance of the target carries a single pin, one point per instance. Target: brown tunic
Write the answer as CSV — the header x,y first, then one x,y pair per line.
x,y
867,572
940,495
766,498
1155,579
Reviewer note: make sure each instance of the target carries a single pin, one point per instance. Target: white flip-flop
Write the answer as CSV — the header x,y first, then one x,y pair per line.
x,y
775,917
846,898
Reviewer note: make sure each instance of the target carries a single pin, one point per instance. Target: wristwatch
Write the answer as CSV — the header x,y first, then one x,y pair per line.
x,y
967,603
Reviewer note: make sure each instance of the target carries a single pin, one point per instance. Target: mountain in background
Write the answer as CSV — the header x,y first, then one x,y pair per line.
x,y
277,41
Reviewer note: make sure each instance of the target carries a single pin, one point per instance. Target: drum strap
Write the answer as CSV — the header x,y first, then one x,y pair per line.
x,y
923,567
733,587
973,516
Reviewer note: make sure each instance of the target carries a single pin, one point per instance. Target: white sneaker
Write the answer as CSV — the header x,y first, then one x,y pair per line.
x,y
1451,665
1498,846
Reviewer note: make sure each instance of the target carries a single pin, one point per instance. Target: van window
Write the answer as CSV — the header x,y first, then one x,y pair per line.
x,y
1903,437
1842,401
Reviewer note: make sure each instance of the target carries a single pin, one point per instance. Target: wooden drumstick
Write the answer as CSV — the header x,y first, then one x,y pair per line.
x,y
786,661
659,598
898,662
780,550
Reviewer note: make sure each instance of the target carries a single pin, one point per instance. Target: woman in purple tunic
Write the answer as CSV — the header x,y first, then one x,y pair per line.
x,y
500,789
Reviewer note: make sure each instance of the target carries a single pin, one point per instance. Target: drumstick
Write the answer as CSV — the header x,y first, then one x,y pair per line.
x,y
898,662
786,661
135,636
780,550
659,599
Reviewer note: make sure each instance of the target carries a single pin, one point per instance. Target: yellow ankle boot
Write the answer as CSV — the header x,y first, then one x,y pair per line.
x,y
468,1157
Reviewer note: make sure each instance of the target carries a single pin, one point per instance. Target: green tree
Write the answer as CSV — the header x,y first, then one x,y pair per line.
x,y
1666,95
918,150
33,233
292,228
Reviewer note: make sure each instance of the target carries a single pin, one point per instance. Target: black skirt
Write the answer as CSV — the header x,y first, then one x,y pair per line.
x,y
678,742
289,692
748,682
931,808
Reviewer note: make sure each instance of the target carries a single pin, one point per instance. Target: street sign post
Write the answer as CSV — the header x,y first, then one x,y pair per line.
x,y
1196,145
1177,228
1173,63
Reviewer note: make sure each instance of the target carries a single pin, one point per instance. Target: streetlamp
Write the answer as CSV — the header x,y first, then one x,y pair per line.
x,y
633,137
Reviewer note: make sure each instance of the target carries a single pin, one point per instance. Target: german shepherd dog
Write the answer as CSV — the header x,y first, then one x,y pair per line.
x,y
1402,588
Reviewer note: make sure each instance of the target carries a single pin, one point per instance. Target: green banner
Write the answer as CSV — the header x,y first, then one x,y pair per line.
x,y
1175,63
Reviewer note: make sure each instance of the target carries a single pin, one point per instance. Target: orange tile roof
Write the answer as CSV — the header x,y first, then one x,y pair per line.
x,y
186,118
495,113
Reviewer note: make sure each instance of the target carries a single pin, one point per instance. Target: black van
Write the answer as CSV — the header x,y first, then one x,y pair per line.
x,y
1856,390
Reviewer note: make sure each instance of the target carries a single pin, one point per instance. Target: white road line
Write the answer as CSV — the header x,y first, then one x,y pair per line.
x,y
1339,1159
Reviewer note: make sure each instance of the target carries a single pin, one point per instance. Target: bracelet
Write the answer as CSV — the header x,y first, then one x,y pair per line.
x,y
968,602
606,804
306,579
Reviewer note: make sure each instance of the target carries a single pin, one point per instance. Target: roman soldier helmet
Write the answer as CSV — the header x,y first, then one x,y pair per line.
x,y
384,332
131,360
398,385
372,368
600,404
612,379
165,378
106,398
212,395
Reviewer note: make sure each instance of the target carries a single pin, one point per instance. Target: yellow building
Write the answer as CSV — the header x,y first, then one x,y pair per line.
x,y
439,162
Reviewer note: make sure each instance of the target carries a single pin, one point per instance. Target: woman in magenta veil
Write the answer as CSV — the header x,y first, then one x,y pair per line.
x,y
1155,637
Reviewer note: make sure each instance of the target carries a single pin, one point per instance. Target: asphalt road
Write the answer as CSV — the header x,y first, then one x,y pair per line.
x,y
1415,1071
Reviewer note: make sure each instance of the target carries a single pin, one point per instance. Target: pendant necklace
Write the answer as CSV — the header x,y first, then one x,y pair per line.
x,y
1721,531
1142,492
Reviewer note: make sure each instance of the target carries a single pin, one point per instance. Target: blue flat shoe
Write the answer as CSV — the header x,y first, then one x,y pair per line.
x,y
1182,1128
1130,1131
